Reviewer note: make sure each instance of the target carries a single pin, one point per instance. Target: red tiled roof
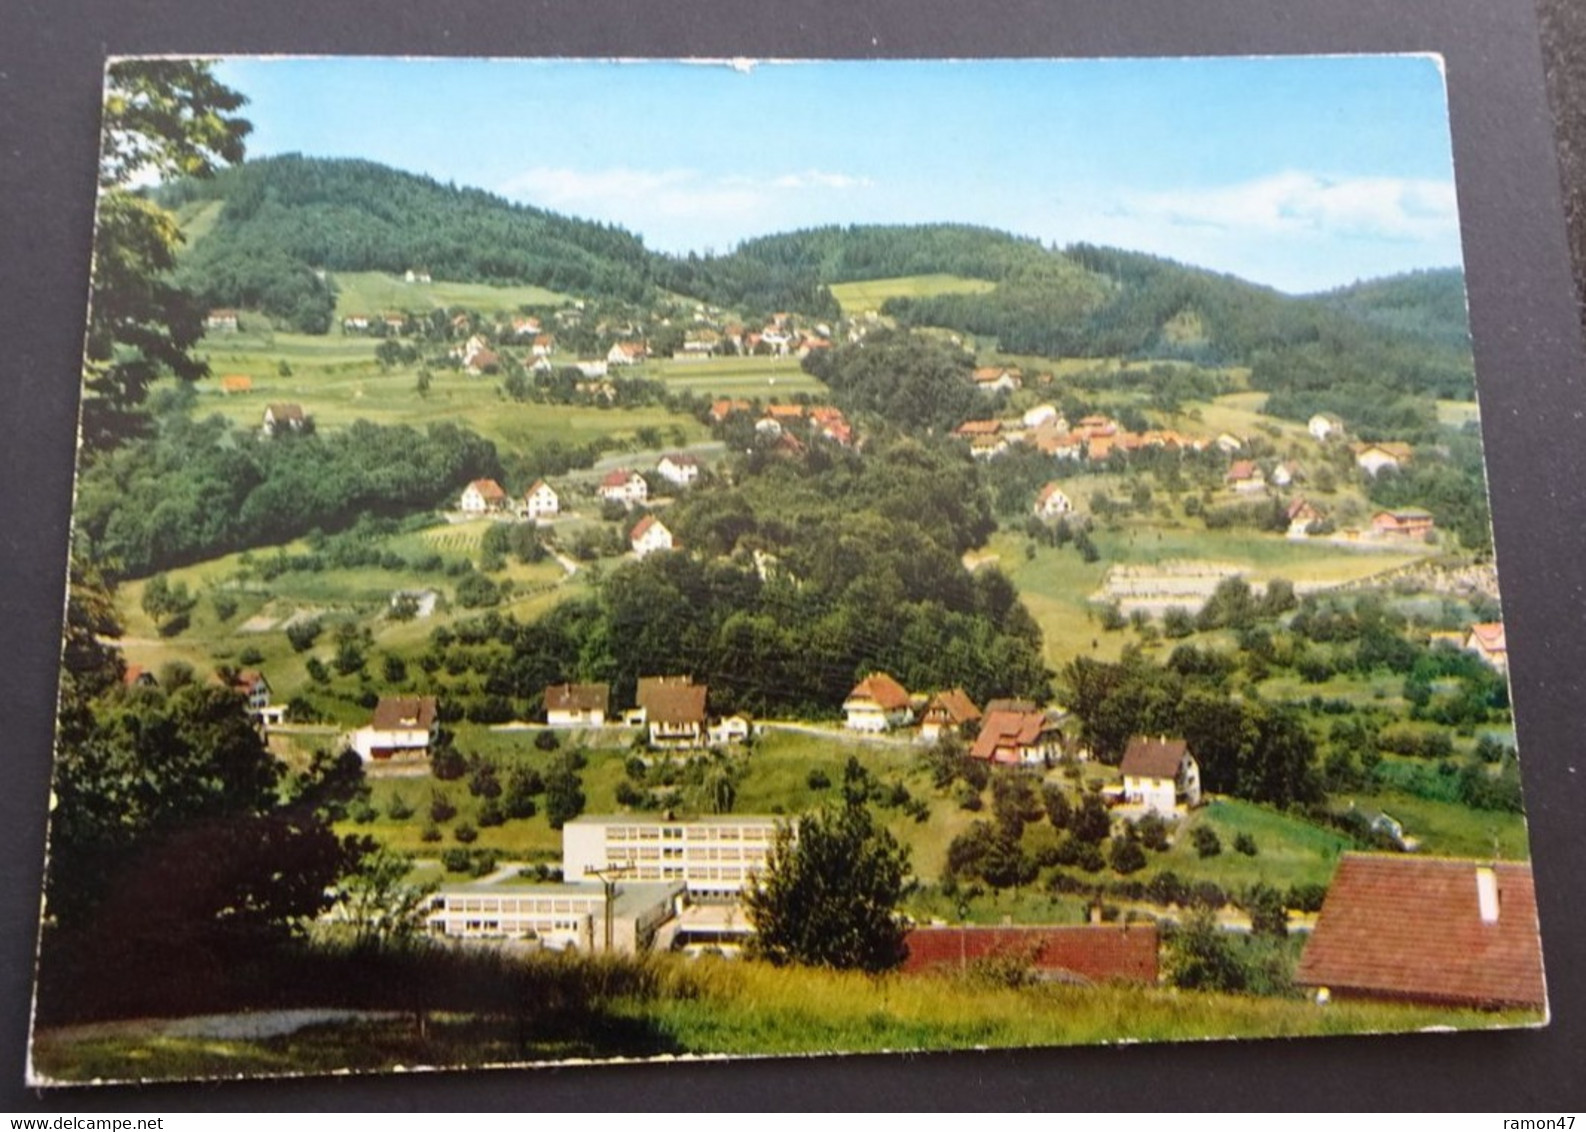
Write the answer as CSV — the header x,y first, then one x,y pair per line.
x,y
882,690
404,713
681,460
978,428
1411,928
1490,635
618,478
951,707
642,527
1092,954
489,489
1153,758
1242,470
1005,728
577,697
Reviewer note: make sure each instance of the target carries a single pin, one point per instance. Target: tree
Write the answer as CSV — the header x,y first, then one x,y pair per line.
x,y
164,118
829,894
380,904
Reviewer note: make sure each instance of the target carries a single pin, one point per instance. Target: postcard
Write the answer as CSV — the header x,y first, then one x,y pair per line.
x,y
580,560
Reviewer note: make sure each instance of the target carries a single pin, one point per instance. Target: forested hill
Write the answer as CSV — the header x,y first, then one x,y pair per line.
x,y
1429,304
284,217
790,270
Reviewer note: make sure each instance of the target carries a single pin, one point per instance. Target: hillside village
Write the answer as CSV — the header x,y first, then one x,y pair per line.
x,y
606,592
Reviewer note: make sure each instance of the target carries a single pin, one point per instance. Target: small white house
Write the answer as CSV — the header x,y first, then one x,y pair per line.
x,y
649,536
541,502
1158,774
678,468
1324,425
1052,502
401,726
625,487
1375,458
877,703
577,705
481,497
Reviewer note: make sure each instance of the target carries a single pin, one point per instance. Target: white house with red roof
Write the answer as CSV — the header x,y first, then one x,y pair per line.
x,y
1160,774
678,468
541,502
877,703
482,497
1017,733
1244,476
649,536
1486,639
1053,502
624,486
627,353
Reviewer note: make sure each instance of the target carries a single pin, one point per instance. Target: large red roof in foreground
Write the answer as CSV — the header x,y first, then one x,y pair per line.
x,y
1411,928
1089,953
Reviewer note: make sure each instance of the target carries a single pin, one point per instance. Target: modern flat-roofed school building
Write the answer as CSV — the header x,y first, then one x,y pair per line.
x,y
715,857
556,916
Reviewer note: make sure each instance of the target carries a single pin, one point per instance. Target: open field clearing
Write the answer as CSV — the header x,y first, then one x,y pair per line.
x,y
769,379
871,293
1458,414
335,394
372,293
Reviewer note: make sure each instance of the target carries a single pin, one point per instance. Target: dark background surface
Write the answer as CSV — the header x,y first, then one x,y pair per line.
x,y
1528,351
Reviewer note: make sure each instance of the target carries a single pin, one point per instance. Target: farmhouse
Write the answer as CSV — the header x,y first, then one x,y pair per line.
x,y
946,713
1440,931
1052,502
721,409
1373,458
877,703
715,857
1486,640
1089,955
672,708
558,917
402,726
650,535
544,345
1403,523
224,321
525,327
1158,773
678,468
1044,416
284,415
541,502
485,361
577,705
1015,733
355,322
482,497
1245,476
625,487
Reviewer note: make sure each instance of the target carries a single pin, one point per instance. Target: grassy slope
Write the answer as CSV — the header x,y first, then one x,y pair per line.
x,y
856,298
373,292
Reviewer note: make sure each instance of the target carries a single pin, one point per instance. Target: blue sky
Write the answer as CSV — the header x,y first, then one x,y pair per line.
x,y
1299,172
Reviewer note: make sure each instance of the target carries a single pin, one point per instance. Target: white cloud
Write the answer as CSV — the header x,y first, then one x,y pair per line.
x,y
668,205
1391,209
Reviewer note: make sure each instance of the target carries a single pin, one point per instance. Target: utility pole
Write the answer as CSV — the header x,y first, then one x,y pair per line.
x,y
609,876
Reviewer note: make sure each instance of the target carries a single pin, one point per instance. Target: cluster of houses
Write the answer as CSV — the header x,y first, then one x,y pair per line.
x,y
789,425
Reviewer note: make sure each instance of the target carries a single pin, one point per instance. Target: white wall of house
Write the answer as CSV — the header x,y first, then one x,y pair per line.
x,y
567,717
542,503
1153,793
366,740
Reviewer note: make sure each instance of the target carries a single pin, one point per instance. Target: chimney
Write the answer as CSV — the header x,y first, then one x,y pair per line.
x,y
1487,893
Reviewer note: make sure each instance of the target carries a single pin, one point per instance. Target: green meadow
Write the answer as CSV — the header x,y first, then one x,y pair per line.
x,y
868,295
